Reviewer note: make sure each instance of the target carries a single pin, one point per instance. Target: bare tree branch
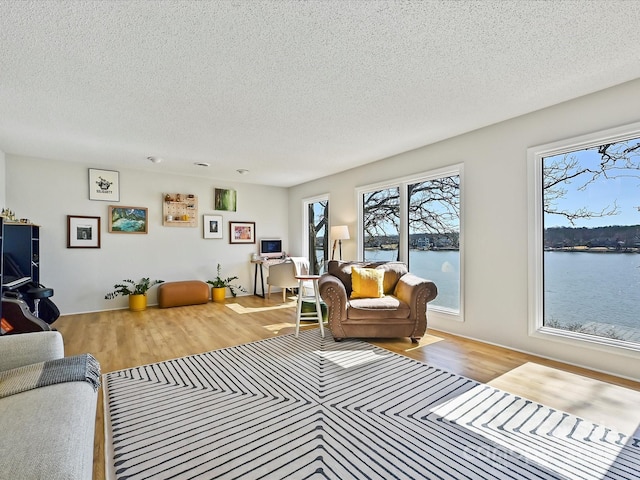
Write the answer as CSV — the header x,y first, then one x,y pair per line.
x,y
617,160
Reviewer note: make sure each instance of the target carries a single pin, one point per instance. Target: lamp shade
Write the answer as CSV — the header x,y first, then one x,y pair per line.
x,y
340,232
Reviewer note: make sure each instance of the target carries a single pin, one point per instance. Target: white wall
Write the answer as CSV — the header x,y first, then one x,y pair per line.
x,y
495,216
3,182
46,191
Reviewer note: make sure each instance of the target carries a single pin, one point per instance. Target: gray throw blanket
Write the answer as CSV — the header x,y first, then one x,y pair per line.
x,y
68,369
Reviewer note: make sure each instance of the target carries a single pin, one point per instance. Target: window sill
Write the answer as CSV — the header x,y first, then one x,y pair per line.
x,y
442,313
592,342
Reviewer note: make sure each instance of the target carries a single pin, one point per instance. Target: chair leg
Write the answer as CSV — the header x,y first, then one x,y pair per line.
x,y
284,295
268,292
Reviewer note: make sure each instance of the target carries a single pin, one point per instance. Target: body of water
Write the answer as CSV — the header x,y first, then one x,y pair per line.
x,y
582,288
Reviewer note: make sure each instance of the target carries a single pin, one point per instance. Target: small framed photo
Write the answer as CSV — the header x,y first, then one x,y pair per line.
x,y
212,226
83,232
104,185
128,219
242,232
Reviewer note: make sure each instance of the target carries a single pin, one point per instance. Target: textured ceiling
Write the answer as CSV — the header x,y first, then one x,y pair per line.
x,y
290,90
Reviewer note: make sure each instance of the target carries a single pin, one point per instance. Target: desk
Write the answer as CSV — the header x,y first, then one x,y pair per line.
x,y
258,266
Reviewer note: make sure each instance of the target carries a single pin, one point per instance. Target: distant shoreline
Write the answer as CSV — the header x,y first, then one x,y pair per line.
x,y
585,249
395,249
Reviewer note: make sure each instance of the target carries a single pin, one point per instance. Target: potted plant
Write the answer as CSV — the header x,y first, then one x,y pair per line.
x,y
219,286
137,292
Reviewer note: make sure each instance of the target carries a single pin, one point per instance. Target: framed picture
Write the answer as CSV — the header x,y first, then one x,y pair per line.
x,y
242,232
128,219
83,232
104,185
224,199
212,226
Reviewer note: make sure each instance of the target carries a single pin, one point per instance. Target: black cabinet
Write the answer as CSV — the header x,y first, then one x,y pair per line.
x,y
21,241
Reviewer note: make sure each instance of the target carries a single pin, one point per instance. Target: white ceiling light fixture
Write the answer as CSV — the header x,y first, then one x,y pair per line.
x,y
201,164
154,159
242,171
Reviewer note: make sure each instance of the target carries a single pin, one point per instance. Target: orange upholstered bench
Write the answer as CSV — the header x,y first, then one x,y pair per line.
x,y
178,294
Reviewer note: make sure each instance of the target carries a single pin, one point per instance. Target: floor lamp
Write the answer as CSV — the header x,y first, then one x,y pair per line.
x,y
338,233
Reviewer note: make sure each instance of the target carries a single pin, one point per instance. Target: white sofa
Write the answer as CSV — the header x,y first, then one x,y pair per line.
x,y
47,432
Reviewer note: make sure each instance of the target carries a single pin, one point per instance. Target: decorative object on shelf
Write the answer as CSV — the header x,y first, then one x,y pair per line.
x,y
212,226
104,185
338,233
224,199
219,286
83,232
180,210
128,219
137,292
242,232
10,216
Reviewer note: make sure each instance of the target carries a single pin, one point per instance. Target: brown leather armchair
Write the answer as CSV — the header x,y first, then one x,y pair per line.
x,y
401,312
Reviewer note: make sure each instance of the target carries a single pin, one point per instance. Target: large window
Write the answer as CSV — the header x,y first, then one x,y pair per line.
x,y
417,221
434,236
586,239
316,236
381,224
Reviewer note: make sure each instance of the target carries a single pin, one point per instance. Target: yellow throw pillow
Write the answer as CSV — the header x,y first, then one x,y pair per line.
x,y
366,283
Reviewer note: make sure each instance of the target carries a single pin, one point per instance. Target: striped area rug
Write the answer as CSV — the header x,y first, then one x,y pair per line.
x,y
312,408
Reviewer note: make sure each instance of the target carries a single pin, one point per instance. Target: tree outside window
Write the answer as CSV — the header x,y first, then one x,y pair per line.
x,y
318,235
591,240
418,221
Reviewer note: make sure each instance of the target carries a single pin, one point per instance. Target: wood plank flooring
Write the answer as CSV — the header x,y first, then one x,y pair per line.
x,y
121,339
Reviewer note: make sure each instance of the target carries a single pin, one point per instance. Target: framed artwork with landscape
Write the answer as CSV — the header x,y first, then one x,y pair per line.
x,y
224,199
242,232
83,232
128,219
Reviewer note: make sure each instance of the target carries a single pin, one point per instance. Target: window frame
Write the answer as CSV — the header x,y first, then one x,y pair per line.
x,y
305,217
403,247
535,307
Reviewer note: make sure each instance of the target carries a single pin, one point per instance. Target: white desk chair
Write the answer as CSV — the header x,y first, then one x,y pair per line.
x,y
283,275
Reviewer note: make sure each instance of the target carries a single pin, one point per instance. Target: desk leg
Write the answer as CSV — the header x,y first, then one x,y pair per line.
x,y
255,280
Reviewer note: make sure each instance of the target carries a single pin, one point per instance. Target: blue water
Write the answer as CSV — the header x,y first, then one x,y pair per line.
x,y
584,287
579,287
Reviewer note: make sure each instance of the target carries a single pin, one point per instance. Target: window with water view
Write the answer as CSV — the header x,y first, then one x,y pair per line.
x,y
317,214
591,241
418,222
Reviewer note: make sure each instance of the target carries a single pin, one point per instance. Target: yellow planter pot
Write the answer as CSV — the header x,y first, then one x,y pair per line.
x,y
218,293
137,303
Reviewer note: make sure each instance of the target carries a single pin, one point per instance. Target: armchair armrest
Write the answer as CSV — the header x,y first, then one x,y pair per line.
x,y
27,348
416,292
334,294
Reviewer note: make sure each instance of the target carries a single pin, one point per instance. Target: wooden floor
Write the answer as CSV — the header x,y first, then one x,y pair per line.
x,y
121,339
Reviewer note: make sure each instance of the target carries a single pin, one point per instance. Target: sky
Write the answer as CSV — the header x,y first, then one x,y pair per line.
x,y
602,194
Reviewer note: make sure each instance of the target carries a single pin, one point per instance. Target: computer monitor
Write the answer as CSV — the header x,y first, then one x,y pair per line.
x,y
271,248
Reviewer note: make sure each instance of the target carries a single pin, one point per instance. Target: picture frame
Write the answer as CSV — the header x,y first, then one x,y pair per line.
x,y
242,232
83,231
224,199
104,185
212,226
128,219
